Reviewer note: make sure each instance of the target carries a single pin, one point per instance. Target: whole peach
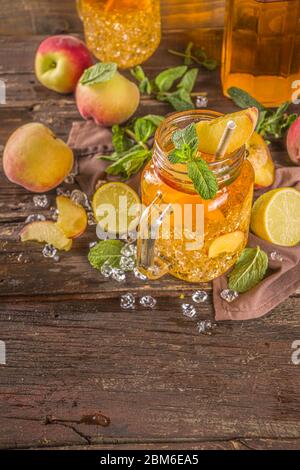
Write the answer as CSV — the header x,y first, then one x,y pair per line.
x,y
293,141
110,102
36,159
60,62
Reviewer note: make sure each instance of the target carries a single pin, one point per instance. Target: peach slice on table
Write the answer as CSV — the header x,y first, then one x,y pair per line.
x,y
72,218
261,159
228,243
46,232
211,132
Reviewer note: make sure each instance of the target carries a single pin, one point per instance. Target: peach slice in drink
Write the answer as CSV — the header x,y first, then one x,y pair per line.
x,y
211,132
72,218
46,232
228,243
261,159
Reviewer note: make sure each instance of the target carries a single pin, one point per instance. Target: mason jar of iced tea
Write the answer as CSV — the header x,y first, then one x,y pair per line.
x,y
261,49
180,233
126,32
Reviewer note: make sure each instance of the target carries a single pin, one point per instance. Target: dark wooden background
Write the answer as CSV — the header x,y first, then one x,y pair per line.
x,y
71,351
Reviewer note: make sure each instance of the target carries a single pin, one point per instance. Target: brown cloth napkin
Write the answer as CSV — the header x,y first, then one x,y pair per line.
x,y
89,140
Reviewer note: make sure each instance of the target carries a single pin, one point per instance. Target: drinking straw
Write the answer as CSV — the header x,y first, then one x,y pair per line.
x,y
225,139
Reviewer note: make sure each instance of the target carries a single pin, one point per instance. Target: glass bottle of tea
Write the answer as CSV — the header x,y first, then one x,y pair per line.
x,y
261,49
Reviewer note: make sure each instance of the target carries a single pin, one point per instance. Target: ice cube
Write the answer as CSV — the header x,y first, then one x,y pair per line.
x,y
200,296
188,310
40,200
35,218
127,301
148,301
229,295
49,251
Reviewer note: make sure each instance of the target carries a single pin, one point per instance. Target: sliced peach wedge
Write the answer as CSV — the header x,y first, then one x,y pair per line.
x,y
211,132
228,243
46,232
261,159
72,217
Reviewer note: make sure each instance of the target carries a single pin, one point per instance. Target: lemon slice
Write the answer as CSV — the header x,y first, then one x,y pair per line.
x,y
211,132
117,208
228,243
276,216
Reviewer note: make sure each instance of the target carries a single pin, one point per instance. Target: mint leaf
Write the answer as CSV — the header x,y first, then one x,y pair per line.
x,y
177,156
99,73
164,81
188,53
120,140
106,250
210,64
187,136
143,129
145,85
249,270
180,99
156,119
203,179
188,80
242,99
129,162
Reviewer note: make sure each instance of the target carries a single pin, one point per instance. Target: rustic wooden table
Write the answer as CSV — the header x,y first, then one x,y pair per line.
x,y
71,351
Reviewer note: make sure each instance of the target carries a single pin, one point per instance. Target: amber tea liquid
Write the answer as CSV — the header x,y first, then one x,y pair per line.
x,y
261,50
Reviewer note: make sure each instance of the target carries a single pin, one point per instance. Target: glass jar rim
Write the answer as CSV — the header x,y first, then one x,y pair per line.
x,y
225,169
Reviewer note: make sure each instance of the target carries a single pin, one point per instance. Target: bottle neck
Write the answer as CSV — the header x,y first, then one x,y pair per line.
x,y
226,170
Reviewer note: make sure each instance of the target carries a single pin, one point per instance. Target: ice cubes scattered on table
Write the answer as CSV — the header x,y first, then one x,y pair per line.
x,y
40,200
148,301
69,179
79,197
127,264
63,192
229,295
128,250
199,296
118,275
139,275
275,256
91,218
127,301
205,327
35,218
106,269
201,101
53,213
188,310
49,251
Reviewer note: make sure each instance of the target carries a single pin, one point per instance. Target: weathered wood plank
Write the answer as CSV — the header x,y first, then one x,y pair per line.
x,y
149,371
51,17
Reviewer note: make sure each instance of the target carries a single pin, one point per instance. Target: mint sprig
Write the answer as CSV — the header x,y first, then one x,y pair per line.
x,y
186,151
174,86
249,270
98,73
131,145
272,123
196,55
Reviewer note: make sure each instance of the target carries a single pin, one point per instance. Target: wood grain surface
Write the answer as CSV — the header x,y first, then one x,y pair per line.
x,y
72,352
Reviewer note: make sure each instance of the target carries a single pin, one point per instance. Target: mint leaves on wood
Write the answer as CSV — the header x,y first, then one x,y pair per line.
x,y
173,85
249,270
196,55
186,151
131,145
99,73
271,123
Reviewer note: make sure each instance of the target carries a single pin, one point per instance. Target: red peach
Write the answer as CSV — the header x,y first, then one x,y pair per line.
x,y
293,141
